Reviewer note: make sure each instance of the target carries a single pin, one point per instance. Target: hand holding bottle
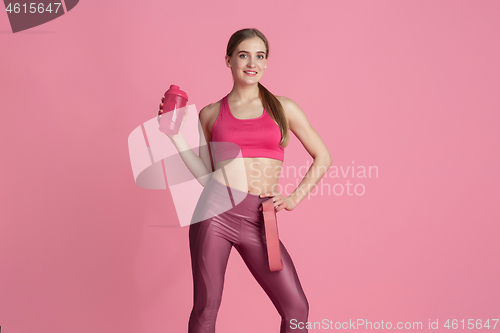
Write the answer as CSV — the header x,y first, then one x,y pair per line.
x,y
171,134
173,111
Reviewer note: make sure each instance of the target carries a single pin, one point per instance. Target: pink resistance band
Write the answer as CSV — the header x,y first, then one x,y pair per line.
x,y
272,237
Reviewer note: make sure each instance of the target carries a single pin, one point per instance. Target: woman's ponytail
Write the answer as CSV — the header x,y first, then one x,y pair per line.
x,y
271,103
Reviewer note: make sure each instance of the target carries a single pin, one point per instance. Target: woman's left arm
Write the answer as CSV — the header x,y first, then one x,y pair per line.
x,y
300,126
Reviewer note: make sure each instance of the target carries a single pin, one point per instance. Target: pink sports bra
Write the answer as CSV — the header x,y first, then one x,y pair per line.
x,y
255,137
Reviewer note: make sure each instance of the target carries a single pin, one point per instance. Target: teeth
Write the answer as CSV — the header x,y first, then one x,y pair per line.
x,y
250,72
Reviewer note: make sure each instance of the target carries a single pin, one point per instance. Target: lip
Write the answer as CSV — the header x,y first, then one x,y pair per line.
x,y
251,74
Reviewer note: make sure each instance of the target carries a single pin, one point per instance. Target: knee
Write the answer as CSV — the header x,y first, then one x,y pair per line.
x,y
299,310
202,305
304,308
205,311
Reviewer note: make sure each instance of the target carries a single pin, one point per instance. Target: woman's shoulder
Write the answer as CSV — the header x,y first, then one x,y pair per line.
x,y
293,112
283,99
288,105
210,110
208,115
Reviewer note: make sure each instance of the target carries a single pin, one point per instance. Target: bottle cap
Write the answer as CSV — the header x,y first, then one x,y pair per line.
x,y
175,90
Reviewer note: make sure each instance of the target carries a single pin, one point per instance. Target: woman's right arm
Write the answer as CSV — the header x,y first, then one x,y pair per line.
x,y
200,166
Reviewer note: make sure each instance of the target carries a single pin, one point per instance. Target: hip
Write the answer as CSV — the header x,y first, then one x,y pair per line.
x,y
221,201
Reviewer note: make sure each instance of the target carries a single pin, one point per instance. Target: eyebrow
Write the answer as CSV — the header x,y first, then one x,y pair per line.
x,y
249,52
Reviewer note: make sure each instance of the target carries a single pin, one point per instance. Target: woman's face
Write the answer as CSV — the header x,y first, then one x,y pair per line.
x,y
248,61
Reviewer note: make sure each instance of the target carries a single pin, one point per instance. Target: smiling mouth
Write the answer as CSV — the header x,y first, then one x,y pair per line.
x,y
250,72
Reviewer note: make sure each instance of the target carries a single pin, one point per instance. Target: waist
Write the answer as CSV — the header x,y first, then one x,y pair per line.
x,y
250,175
235,196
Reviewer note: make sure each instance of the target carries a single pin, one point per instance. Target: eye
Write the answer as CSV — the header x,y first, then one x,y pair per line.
x,y
261,56
243,55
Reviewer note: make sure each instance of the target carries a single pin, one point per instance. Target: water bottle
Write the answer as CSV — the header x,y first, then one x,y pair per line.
x,y
170,117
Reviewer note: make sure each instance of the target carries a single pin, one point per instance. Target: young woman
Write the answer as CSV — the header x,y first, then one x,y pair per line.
x,y
257,123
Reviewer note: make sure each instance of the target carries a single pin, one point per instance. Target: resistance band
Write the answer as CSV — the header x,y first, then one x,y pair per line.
x,y
272,237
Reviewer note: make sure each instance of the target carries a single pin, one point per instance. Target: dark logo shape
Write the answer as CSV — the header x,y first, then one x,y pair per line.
x,y
26,15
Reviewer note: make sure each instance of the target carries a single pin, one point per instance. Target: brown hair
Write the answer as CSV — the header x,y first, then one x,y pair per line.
x,y
269,101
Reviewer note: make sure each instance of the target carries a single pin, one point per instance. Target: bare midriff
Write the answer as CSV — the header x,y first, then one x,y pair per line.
x,y
255,175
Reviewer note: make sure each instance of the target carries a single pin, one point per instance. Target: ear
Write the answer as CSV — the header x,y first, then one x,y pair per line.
x,y
227,60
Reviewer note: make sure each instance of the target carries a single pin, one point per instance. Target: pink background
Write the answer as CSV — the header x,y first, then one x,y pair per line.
x,y
411,87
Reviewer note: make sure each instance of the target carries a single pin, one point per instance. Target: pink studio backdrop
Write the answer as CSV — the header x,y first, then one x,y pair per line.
x,y
410,88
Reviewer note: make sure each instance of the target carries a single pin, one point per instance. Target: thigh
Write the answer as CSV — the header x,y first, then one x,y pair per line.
x,y
209,256
283,287
210,236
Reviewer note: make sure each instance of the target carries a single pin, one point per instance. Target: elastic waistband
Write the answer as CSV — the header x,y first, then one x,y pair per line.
x,y
238,195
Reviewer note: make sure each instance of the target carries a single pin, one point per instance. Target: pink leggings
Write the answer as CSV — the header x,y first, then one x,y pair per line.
x,y
211,241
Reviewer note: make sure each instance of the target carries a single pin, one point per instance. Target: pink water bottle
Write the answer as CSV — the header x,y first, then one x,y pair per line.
x,y
170,117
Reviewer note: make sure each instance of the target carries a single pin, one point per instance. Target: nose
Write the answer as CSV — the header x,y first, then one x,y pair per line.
x,y
251,63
